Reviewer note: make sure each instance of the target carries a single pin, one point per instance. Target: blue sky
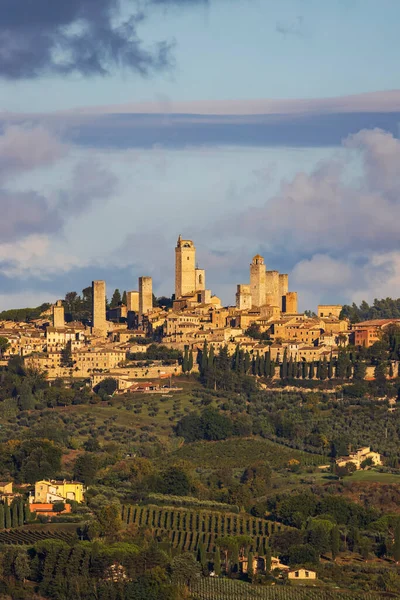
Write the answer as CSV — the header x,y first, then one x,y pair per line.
x,y
248,125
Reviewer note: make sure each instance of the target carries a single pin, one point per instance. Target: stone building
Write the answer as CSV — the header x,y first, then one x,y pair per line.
x,y
145,295
58,315
99,308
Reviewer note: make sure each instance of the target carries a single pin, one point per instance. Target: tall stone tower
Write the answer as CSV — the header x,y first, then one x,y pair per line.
x,y
132,301
272,288
243,297
58,315
99,307
185,268
257,281
145,295
290,303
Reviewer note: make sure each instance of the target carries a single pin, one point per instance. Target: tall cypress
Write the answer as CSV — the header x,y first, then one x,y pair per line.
x,y
20,513
284,366
1,516
330,368
217,562
236,359
7,516
290,368
190,361
185,363
246,362
14,515
267,366
257,366
312,370
305,369
268,559
272,369
299,370
335,541
396,544
204,358
260,366
250,571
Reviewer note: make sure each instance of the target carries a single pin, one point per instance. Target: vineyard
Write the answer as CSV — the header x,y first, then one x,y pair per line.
x,y
29,536
208,588
185,527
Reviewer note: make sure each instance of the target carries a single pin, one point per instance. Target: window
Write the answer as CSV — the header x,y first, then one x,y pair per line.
x,y
307,574
296,574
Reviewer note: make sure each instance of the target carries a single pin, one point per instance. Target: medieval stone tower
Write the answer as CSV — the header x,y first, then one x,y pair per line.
x,y
257,281
132,301
185,268
99,307
58,315
145,295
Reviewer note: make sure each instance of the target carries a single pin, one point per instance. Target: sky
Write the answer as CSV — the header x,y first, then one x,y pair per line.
x,y
249,126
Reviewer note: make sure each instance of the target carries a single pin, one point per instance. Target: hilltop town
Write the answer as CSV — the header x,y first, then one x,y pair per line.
x,y
264,319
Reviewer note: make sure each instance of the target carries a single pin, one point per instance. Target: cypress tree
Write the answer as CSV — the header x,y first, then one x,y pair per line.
x,y
349,371
242,366
312,370
246,362
27,513
335,541
253,366
272,369
217,562
257,367
185,363
290,368
7,516
391,372
284,366
20,513
319,369
323,372
201,555
268,559
299,370
211,357
14,515
250,571
261,366
236,359
396,544
190,361
305,370
1,516
204,359
330,369
267,367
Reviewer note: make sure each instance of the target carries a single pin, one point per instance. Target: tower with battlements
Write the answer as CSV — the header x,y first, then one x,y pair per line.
x,y
187,277
258,281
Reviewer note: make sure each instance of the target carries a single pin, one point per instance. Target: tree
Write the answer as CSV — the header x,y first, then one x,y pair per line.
x,y
21,566
303,553
175,481
66,356
202,558
58,507
250,564
14,515
184,569
4,345
185,362
335,541
86,467
396,542
268,559
1,516
109,520
124,299
311,371
190,361
7,516
116,299
217,562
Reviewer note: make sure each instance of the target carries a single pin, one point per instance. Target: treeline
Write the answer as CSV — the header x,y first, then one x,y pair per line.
x,y
14,515
157,352
386,308
23,314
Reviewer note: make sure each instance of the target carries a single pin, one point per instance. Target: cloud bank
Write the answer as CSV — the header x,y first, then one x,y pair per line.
x,y
88,37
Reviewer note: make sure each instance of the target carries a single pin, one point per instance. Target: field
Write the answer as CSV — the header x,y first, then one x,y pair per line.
x,y
372,476
31,534
185,527
227,589
240,452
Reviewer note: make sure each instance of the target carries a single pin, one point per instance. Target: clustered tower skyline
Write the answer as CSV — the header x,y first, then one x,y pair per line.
x,y
266,289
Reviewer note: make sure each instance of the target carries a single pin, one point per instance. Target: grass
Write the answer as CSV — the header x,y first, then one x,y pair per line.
x,y
372,476
241,452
